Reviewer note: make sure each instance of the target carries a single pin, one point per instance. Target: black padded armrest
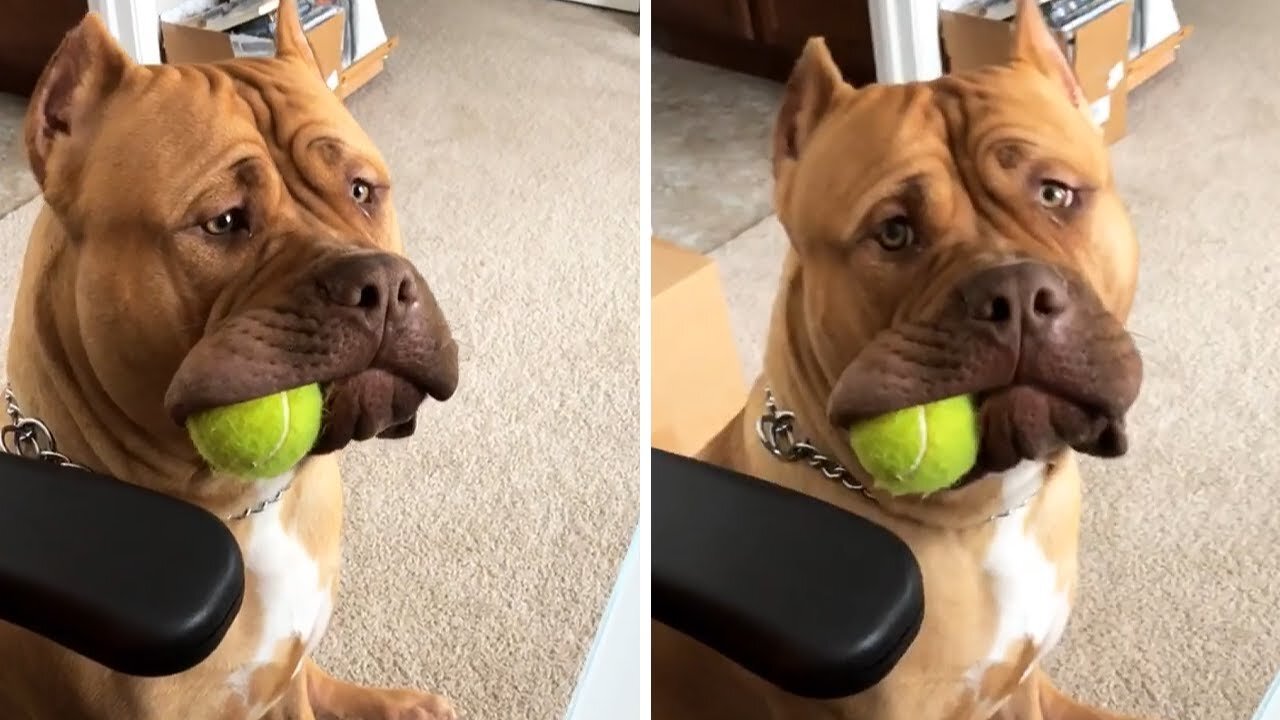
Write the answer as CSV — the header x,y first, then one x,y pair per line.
x,y
816,600
136,580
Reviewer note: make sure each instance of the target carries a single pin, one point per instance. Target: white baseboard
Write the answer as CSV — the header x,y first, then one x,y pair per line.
x,y
631,6
613,684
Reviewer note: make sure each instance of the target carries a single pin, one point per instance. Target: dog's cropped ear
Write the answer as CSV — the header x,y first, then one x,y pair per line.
x,y
810,93
85,69
1034,43
291,41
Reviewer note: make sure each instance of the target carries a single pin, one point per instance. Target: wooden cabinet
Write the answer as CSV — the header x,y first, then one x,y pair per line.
x,y
722,17
791,22
29,35
764,37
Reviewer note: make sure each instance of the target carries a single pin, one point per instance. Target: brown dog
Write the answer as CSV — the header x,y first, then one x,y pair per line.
x,y
961,236
214,233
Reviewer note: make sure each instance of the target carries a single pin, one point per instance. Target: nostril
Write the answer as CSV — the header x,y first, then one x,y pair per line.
x,y
372,285
1046,303
369,299
998,311
407,293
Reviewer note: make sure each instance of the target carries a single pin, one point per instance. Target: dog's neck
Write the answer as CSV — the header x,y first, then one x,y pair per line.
x,y
793,372
55,381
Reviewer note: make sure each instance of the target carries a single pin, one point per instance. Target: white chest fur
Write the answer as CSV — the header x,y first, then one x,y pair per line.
x,y
1029,604
290,597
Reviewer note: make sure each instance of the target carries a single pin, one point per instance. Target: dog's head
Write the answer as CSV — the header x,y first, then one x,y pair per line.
x,y
963,236
229,232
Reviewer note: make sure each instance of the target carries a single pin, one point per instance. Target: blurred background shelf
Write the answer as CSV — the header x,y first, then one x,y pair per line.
x,y
347,36
33,30
1151,61
764,37
365,68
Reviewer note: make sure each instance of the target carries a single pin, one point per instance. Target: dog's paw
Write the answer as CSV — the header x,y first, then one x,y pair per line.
x,y
420,706
333,699
361,703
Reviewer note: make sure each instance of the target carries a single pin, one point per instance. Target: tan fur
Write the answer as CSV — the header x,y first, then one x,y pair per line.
x,y
838,153
116,288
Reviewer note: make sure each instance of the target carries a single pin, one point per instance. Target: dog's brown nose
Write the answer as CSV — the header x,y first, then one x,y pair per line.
x,y
1024,296
380,286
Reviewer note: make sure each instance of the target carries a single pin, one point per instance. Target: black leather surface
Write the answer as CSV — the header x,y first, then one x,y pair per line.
x,y
813,599
136,580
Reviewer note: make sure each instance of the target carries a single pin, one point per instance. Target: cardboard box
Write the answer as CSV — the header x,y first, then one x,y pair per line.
x,y
697,382
1098,49
182,41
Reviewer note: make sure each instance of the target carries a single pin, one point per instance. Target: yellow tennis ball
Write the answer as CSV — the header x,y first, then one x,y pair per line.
x,y
261,438
921,449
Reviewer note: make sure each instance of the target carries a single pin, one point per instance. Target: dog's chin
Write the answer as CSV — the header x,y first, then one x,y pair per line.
x,y
372,403
1023,422
1029,422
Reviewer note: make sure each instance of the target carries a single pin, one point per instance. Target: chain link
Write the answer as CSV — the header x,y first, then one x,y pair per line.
x,y
254,510
776,430
30,438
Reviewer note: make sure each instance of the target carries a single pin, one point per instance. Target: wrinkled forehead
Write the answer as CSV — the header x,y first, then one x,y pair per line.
x,y
876,131
998,104
957,120
181,122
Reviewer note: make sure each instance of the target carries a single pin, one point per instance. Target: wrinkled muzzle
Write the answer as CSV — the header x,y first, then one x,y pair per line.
x,y
1047,363
363,324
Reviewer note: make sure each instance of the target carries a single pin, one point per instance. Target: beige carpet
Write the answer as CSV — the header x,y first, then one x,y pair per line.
x,y
711,130
17,184
481,552
1179,613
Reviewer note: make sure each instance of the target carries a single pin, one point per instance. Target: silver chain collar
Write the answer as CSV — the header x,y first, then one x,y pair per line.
x,y
259,507
776,430
30,438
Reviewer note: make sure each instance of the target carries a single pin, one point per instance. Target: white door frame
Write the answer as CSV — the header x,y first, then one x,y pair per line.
x,y
135,24
904,35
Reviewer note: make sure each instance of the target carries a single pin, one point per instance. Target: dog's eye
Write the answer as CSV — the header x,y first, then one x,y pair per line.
x,y
227,222
361,191
1055,196
895,234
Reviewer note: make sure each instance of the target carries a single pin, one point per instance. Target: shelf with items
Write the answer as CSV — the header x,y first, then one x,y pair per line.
x,y
1148,63
1113,46
365,68
1154,34
347,36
